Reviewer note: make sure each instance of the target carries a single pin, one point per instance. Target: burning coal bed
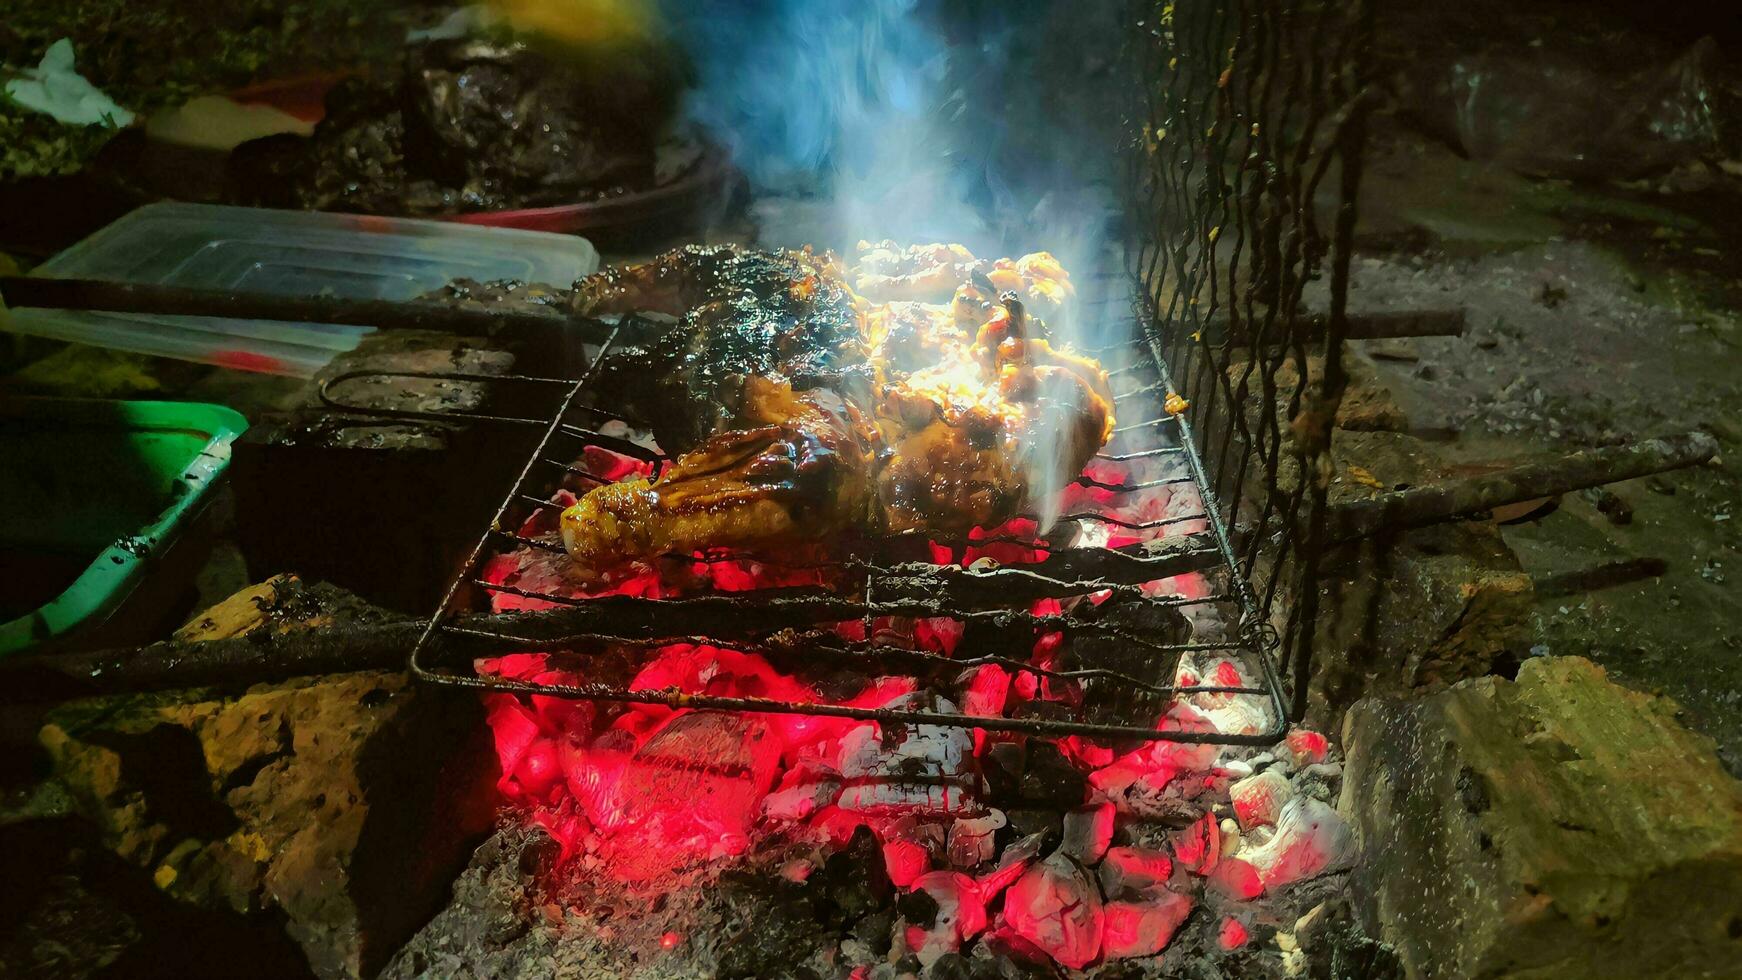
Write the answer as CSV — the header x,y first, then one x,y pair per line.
x,y
911,849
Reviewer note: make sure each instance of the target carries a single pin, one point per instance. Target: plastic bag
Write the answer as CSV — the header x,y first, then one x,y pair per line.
x,y
53,87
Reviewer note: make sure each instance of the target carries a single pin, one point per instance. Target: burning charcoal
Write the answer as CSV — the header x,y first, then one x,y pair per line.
x,y
1143,928
1088,754
1311,838
908,847
927,769
1235,769
802,793
984,691
1232,714
1160,623
1012,864
1002,763
1198,847
1017,956
593,773
1235,879
1045,823
514,728
958,914
1134,872
693,791
1233,934
1088,832
1057,907
1305,747
1148,782
854,880
1258,800
539,769
970,841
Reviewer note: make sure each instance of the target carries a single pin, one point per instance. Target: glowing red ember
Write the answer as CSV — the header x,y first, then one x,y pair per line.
x,y
1057,907
649,790
1143,928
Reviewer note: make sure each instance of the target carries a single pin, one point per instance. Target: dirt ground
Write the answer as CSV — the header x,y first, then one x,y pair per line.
x,y
1596,315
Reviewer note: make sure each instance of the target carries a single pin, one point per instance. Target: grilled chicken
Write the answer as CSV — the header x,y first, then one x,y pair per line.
x,y
800,470
801,410
939,273
742,313
985,427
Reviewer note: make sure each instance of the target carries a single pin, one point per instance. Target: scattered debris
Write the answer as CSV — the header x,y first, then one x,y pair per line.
x,y
54,88
1609,504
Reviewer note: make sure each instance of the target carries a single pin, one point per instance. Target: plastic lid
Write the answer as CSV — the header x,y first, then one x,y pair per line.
x,y
290,253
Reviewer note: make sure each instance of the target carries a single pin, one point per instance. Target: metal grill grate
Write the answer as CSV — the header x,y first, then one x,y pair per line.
x,y
1124,652
1245,108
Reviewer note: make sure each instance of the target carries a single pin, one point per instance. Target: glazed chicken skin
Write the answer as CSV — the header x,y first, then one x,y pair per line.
x,y
946,409
800,470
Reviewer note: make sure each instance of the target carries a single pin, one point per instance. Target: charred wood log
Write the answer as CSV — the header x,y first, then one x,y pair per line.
x,y
1454,499
907,590
231,663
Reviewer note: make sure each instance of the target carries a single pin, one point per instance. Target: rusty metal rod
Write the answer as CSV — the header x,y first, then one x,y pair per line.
x,y
1602,576
1310,328
1454,499
159,300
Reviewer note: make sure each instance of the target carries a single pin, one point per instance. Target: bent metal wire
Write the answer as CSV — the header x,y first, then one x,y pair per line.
x,y
883,580
1242,108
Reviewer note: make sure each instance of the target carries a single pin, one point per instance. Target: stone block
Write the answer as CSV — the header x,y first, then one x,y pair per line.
x,y
1554,826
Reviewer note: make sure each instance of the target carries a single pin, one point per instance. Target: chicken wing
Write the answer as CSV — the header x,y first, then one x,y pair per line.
x,y
801,471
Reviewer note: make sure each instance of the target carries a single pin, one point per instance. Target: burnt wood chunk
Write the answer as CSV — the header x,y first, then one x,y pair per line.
x,y
383,506
1554,826
327,815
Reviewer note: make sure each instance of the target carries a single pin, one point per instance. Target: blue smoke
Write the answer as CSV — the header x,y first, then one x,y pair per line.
x,y
865,103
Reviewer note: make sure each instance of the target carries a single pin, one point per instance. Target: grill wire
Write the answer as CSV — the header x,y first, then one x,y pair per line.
x,y
1242,108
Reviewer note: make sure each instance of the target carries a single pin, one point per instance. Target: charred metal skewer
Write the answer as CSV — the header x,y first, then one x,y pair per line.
x,y
159,300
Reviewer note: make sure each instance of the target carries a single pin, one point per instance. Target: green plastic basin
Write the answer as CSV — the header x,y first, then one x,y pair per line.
x,y
93,495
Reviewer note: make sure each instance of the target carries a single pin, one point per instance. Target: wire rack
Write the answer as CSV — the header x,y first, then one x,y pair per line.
x,y
1127,643
1242,108
1249,124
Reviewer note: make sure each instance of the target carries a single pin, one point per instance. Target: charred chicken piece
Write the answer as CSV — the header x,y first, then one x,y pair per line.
x,y
804,412
800,471
988,428
941,273
782,315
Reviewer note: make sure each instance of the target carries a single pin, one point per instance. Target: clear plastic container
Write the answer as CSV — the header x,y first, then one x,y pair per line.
x,y
286,253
